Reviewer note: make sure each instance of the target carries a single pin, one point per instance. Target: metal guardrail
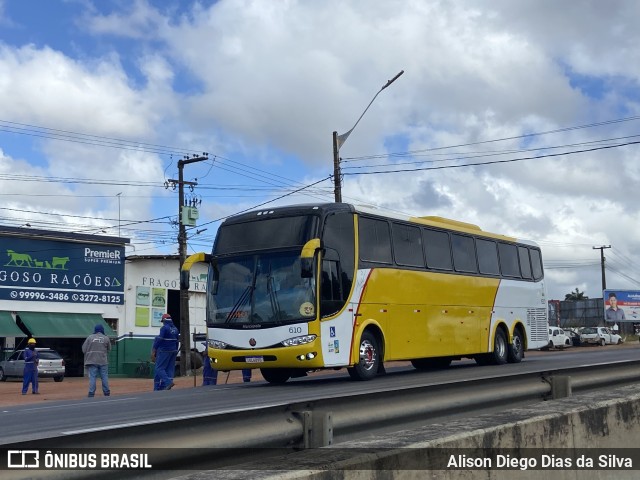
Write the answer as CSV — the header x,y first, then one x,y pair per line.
x,y
330,420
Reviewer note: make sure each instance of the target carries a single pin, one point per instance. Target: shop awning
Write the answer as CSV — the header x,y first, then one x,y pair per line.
x,y
8,327
68,325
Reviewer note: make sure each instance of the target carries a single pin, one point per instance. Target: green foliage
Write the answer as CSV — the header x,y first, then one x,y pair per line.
x,y
575,296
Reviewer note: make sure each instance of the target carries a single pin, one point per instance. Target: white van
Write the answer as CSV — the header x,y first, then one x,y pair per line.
x,y
558,338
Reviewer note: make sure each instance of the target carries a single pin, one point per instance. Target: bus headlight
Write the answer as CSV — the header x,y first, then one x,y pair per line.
x,y
216,344
292,342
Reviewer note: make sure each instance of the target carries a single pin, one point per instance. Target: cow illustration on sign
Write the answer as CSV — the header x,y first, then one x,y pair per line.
x,y
25,260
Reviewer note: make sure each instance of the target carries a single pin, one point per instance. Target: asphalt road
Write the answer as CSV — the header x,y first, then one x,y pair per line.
x,y
24,423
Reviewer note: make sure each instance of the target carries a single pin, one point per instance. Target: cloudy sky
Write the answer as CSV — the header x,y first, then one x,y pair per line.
x,y
518,116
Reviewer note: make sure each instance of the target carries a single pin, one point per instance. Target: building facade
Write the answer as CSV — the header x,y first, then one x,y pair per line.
x,y
57,286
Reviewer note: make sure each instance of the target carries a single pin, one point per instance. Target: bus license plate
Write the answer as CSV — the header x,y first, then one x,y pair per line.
x,y
254,359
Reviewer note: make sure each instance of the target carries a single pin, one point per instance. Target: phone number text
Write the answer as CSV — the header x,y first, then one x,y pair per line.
x,y
49,296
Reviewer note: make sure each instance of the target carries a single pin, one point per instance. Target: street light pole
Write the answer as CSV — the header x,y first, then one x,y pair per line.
x,y
338,141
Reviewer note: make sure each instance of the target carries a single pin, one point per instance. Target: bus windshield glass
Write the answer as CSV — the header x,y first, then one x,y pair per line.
x,y
265,234
261,290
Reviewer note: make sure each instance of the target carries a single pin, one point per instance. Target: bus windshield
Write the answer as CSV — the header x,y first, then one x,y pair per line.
x,y
261,290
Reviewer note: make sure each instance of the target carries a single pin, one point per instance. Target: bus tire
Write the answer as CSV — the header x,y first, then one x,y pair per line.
x,y
275,375
430,363
369,358
515,352
500,349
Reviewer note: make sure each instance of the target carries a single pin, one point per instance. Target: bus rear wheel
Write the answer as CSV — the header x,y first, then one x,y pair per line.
x,y
515,352
500,349
499,355
275,375
369,358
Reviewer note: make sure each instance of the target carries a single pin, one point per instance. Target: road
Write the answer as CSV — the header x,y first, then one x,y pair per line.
x,y
28,423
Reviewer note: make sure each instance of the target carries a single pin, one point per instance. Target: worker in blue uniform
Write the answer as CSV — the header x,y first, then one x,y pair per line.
x,y
30,372
164,353
209,374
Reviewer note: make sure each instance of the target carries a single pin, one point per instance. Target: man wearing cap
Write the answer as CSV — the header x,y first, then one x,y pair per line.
x,y
164,353
96,350
30,372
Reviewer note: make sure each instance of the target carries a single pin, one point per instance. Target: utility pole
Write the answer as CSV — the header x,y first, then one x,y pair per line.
x,y
604,280
185,335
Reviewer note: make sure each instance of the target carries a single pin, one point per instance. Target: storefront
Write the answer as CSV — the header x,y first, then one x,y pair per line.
x,y
57,286
153,288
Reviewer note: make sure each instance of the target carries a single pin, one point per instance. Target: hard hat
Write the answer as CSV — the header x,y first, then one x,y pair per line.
x,y
31,341
166,316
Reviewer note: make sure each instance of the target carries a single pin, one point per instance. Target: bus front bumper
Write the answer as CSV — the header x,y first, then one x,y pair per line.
x,y
307,356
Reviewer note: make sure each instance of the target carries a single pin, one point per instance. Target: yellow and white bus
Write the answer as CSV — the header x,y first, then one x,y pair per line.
x,y
305,287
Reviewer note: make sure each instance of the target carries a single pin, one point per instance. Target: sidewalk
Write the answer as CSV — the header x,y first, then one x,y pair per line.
x,y
78,387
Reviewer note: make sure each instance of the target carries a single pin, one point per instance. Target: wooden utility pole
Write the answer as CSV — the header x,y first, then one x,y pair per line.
x,y
604,280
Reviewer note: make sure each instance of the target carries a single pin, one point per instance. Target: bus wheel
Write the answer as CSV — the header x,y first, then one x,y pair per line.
x,y
369,361
275,375
515,352
500,349
430,363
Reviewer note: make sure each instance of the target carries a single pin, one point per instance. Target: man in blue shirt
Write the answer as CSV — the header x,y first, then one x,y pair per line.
x,y
614,313
164,353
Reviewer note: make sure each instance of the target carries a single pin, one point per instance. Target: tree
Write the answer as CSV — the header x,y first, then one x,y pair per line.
x,y
575,296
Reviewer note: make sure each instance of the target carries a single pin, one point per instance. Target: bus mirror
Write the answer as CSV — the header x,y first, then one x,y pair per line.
x,y
185,271
307,256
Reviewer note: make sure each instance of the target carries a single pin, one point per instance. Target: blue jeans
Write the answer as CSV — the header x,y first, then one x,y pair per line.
x,y
103,371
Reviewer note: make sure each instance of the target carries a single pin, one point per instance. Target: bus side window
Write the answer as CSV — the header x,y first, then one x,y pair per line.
x,y
509,260
464,254
375,240
536,263
525,263
330,293
437,249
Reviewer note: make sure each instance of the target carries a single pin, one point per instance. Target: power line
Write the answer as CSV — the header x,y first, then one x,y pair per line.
x,y
516,137
492,162
474,155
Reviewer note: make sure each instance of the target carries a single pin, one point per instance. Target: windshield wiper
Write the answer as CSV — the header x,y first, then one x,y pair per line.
x,y
273,297
246,294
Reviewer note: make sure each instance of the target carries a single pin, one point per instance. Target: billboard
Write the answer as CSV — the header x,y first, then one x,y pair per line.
x,y
59,271
621,306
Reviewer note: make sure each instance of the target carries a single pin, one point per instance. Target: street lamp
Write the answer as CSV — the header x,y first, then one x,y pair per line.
x,y
338,141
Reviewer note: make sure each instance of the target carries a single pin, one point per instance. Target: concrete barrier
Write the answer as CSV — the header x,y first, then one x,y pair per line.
x,y
591,436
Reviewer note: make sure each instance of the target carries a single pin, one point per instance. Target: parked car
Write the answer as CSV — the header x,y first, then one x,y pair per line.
x,y
574,337
558,338
51,365
600,336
